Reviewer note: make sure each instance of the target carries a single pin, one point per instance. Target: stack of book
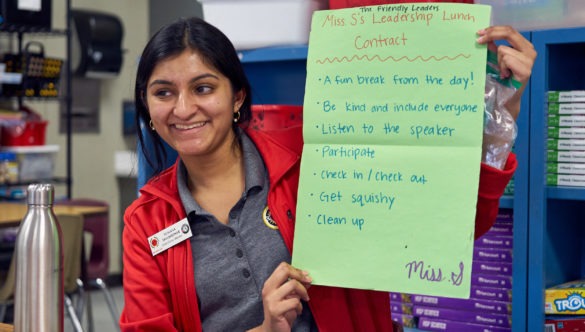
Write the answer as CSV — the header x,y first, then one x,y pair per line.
x,y
489,308
566,138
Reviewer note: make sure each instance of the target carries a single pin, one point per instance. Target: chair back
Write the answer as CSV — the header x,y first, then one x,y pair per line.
x,y
97,224
71,242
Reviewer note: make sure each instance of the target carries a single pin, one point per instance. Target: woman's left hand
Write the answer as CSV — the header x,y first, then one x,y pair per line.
x,y
515,59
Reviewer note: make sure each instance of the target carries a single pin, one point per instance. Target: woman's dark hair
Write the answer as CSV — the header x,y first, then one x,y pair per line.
x,y
213,47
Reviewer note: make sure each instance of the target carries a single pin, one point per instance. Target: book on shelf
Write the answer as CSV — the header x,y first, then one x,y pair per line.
x,y
555,120
400,297
471,304
435,324
494,241
404,320
574,180
567,96
492,294
565,144
481,318
562,156
501,229
487,267
566,108
565,168
566,132
492,254
401,308
491,280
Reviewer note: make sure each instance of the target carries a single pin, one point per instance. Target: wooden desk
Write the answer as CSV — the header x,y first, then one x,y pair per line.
x,y
11,214
6,327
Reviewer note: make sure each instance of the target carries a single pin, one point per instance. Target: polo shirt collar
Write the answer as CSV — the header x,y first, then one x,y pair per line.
x,y
255,173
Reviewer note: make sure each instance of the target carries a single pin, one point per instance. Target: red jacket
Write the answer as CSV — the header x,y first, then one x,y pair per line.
x,y
160,291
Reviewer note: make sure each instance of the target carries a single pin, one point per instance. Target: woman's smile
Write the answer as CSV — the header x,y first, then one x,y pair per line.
x,y
190,126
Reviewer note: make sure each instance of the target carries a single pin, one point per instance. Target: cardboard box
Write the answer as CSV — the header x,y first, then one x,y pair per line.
x,y
564,324
566,299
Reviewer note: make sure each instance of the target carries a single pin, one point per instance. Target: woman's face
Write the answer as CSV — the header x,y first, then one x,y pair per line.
x,y
192,105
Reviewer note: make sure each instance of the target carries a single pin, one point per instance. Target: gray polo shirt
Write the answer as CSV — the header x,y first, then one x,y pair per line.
x,y
233,261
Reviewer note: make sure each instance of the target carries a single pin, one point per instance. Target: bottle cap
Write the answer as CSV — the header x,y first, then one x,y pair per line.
x,y
40,194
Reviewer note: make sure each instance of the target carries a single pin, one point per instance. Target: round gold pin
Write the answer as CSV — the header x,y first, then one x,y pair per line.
x,y
267,217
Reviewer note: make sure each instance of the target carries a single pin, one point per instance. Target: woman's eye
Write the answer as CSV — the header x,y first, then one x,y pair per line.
x,y
203,89
162,93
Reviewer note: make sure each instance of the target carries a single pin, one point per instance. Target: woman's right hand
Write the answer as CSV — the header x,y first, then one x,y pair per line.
x,y
281,297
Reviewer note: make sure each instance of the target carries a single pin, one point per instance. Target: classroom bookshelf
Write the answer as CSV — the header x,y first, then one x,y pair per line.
x,y
555,231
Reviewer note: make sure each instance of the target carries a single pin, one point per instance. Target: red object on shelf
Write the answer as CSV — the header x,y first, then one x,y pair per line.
x,y
23,133
271,117
337,4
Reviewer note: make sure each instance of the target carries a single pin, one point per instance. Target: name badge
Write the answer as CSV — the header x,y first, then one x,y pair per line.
x,y
170,236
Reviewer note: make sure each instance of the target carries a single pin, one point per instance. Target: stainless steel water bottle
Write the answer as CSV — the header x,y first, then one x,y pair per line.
x,y
38,297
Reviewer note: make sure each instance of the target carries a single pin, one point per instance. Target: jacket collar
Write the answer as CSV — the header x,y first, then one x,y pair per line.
x,y
277,157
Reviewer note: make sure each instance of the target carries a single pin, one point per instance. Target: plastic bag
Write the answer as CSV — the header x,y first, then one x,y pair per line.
x,y
500,129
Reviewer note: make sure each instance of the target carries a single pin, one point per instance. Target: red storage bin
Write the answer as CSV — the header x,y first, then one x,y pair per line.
x,y
336,4
271,117
23,133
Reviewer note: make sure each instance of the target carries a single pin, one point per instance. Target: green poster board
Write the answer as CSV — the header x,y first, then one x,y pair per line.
x,y
393,117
